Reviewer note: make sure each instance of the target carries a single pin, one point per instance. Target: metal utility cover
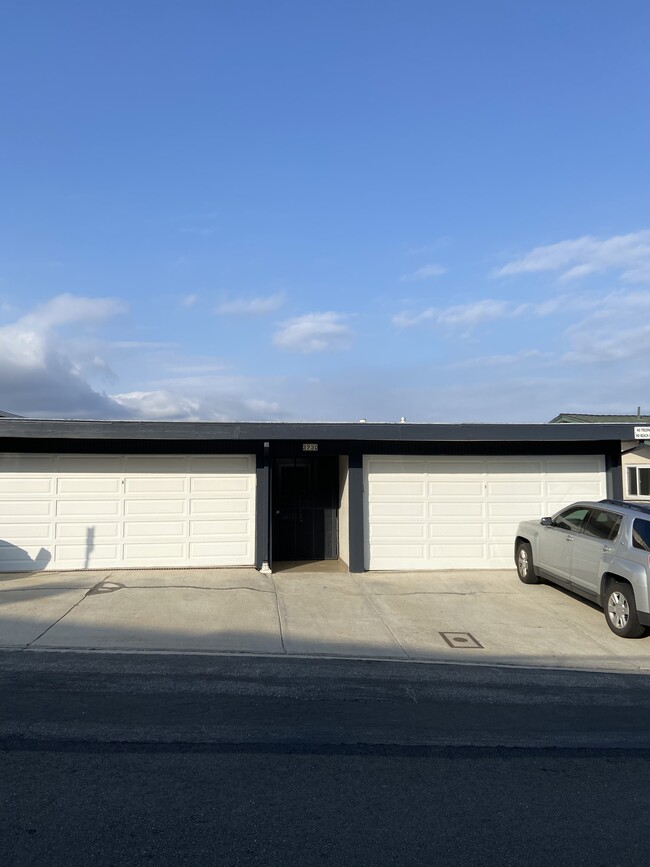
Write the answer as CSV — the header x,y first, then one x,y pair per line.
x,y
461,639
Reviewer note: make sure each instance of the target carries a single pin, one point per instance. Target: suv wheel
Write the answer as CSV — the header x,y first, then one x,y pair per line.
x,y
620,611
524,561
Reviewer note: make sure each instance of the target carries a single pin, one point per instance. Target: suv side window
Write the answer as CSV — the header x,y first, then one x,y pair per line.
x,y
641,534
571,519
603,525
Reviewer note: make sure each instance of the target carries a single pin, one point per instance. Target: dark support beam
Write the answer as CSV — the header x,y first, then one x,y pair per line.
x,y
262,507
356,505
614,474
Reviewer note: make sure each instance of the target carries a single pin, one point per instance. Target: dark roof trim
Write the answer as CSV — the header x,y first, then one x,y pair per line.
x,y
312,431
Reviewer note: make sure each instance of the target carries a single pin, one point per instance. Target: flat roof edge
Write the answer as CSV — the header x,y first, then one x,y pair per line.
x,y
69,429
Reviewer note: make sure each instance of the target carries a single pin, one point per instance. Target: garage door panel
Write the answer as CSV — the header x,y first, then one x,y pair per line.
x,y
567,465
501,509
400,553
220,528
221,466
73,508
456,488
27,508
565,487
82,485
450,553
397,510
155,506
75,530
155,551
466,530
399,531
24,532
149,529
442,509
227,485
471,506
17,486
98,511
155,485
77,554
397,488
225,506
232,548
515,487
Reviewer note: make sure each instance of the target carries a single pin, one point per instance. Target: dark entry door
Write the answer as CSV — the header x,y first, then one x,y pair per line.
x,y
305,502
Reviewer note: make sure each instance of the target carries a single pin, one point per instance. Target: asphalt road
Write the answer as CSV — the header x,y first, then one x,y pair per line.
x,y
121,760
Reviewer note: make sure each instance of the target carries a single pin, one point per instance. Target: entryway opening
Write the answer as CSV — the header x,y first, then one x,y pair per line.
x,y
305,502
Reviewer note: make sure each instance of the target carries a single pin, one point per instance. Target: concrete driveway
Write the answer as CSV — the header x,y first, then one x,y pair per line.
x,y
479,617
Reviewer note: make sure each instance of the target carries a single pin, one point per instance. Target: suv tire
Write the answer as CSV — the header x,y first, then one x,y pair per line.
x,y
620,611
525,565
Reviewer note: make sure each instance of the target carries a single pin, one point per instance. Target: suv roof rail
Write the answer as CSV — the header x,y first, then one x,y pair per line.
x,y
639,507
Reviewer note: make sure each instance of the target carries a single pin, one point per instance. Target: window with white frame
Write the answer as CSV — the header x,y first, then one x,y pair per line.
x,y
638,481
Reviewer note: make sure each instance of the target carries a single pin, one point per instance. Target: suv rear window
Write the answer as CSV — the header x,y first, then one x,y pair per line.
x,y
641,534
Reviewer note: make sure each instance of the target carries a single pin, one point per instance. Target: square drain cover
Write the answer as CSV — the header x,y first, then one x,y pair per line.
x,y
461,639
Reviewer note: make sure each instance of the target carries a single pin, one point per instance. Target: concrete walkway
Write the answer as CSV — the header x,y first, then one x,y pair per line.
x,y
479,617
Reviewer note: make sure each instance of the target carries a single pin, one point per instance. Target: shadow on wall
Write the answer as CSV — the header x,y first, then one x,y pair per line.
x,y
15,559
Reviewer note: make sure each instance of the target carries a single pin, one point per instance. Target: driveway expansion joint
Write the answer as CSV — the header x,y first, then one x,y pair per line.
x,y
368,599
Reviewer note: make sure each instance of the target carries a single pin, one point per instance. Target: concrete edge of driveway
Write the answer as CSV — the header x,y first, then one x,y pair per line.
x,y
636,672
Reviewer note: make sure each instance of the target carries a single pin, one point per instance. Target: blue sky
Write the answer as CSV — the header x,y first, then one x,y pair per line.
x,y
324,210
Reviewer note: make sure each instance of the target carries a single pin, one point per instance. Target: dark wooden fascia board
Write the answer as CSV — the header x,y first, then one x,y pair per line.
x,y
311,431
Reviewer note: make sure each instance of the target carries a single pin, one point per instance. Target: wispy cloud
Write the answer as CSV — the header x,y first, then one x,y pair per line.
x,y
189,300
463,315
314,332
580,257
258,306
424,273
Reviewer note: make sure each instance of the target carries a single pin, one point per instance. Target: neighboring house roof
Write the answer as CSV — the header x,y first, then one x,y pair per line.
x,y
588,418
8,414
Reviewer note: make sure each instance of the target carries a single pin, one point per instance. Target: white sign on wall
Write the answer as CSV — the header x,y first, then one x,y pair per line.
x,y
642,433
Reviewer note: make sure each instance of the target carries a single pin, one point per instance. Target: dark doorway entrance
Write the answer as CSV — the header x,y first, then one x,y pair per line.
x,y
305,495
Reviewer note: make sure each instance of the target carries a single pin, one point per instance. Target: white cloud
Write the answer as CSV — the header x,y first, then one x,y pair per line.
x,y
465,315
67,309
314,332
424,273
573,259
251,306
44,373
207,401
189,300
158,405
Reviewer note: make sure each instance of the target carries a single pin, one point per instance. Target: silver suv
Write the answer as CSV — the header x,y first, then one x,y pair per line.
x,y
599,550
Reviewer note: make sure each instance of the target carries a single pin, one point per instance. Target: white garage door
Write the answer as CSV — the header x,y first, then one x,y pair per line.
x,y
462,513
108,511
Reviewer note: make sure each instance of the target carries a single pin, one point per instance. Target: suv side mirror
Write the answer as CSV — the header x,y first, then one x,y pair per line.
x,y
546,522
